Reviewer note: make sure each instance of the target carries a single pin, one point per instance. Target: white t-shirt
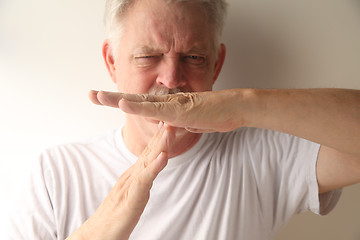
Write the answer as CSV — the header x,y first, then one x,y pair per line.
x,y
244,184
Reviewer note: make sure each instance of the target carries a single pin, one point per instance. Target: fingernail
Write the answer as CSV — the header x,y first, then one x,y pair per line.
x,y
161,124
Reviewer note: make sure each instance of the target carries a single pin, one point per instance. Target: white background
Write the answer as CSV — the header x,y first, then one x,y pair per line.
x,y
50,57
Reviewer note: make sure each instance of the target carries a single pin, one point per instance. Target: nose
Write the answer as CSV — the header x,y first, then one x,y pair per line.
x,y
170,74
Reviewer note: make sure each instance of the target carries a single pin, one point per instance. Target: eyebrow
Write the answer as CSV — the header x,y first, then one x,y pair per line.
x,y
198,49
151,49
148,49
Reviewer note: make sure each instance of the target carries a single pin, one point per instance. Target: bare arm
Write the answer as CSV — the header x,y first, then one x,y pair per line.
x,y
330,117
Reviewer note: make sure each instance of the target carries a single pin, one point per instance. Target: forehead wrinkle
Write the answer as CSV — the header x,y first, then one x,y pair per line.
x,y
168,33
188,44
172,30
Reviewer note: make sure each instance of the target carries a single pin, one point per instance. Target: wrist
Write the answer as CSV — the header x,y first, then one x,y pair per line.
x,y
247,106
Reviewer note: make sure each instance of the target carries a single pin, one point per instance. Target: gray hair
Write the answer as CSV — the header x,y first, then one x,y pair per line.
x,y
116,9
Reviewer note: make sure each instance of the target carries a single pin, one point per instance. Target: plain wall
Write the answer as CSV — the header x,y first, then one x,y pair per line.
x,y
50,57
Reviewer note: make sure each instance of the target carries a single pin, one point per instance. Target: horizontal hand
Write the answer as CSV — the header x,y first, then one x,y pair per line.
x,y
197,112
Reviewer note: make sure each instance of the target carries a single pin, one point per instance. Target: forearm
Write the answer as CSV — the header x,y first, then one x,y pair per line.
x,y
98,228
330,117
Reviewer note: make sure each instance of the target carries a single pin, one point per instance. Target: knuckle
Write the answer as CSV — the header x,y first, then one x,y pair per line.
x,y
160,106
146,152
144,97
183,99
145,156
142,182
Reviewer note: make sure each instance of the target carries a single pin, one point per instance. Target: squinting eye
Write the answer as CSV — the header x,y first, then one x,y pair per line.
x,y
197,60
145,60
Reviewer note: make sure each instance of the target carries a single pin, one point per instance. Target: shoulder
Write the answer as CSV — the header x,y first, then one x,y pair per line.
x,y
70,167
78,156
105,141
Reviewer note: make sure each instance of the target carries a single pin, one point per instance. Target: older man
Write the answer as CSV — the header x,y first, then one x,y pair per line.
x,y
178,180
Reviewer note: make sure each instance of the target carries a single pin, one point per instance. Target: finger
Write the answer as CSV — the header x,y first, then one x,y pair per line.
x,y
197,130
145,97
161,142
110,99
151,172
154,147
104,98
93,97
162,111
140,186
116,96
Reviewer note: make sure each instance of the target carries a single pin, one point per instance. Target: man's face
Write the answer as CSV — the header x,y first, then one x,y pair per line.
x,y
169,45
166,45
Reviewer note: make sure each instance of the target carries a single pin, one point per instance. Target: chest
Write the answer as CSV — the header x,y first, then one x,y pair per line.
x,y
208,200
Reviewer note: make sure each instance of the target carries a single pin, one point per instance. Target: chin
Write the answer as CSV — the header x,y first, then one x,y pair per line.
x,y
153,121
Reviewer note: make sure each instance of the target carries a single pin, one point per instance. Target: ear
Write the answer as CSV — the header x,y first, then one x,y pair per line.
x,y
109,59
220,61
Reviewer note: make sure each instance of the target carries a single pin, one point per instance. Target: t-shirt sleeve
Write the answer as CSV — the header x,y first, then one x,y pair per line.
x,y
303,154
31,215
285,171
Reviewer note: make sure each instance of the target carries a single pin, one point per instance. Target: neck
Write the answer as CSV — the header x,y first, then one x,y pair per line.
x,y
136,139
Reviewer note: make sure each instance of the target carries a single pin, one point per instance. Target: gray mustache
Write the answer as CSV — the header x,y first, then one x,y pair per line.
x,y
160,90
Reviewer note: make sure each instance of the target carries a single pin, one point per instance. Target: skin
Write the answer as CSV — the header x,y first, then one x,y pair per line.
x,y
330,117
163,45
120,211
160,47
